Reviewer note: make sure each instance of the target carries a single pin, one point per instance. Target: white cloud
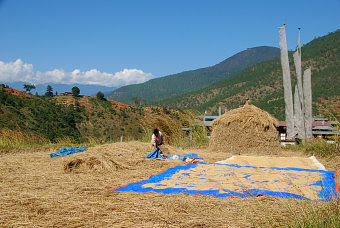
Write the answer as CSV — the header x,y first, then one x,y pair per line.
x,y
10,72
20,71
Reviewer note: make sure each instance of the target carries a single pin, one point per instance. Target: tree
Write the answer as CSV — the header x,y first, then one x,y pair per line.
x,y
49,91
136,100
75,91
28,87
100,95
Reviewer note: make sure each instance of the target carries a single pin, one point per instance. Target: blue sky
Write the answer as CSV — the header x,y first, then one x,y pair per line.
x,y
92,42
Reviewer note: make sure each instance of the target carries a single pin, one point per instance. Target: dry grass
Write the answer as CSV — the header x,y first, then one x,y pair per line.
x,y
65,140
75,191
243,129
11,138
168,126
247,114
171,128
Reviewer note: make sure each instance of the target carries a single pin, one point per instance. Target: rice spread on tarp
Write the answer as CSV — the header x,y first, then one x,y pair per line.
x,y
244,129
223,180
280,162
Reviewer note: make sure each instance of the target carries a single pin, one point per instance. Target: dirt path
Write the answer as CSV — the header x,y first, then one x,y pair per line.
x,y
74,191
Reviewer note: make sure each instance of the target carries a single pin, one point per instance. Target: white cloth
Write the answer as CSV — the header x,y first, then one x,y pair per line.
x,y
157,140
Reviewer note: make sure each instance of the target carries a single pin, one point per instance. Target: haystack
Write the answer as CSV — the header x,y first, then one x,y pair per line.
x,y
245,129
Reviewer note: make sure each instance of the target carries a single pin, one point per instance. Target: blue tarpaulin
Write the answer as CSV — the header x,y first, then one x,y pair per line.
x,y
223,180
68,150
156,154
191,156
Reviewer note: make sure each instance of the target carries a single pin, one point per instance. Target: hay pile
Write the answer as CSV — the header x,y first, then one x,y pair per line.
x,y
245,129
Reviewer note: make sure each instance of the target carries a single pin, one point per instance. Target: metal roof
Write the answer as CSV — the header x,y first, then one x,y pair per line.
x,y
315,123
323,128
320,119
321,123
325,132
208,117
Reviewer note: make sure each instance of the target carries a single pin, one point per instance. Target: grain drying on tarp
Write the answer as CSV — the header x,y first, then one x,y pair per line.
x,y
243,129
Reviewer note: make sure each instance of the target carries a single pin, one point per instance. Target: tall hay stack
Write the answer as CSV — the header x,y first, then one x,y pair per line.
x,y
246,129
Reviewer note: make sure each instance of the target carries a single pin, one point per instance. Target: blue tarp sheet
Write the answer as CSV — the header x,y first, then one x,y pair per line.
x,y
68,150
224,180
185,157
156,154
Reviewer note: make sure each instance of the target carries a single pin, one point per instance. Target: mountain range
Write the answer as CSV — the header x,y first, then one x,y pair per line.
x,y
88,118
262,84
173,85
253,74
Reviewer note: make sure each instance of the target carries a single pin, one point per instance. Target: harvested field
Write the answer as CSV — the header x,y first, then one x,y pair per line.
x,y
75,191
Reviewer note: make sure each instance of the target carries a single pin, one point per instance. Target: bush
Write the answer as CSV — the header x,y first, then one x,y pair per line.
x,y
100,95
320,147
75,91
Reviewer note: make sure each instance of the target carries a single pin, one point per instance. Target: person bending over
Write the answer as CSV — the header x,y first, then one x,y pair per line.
x,y
157,141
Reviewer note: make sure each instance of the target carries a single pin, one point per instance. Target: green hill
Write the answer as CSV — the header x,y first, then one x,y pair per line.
x,y
177,84
262,83
82,119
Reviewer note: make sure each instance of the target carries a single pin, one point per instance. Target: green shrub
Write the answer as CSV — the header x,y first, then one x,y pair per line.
x,y
320,147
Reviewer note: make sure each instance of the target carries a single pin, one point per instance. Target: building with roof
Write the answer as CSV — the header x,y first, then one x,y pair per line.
x,y
321,128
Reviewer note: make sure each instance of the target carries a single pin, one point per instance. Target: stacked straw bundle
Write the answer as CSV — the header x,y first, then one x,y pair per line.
x,y
245,129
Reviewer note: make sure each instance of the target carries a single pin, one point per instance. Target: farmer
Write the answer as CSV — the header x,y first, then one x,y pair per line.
x,y
157,141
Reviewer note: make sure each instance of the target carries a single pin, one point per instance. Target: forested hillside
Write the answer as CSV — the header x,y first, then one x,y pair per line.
x,y
83,119
173,85
262,83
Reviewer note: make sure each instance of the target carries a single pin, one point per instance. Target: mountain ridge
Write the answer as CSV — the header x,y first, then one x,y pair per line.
x,y
176,84
262,83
